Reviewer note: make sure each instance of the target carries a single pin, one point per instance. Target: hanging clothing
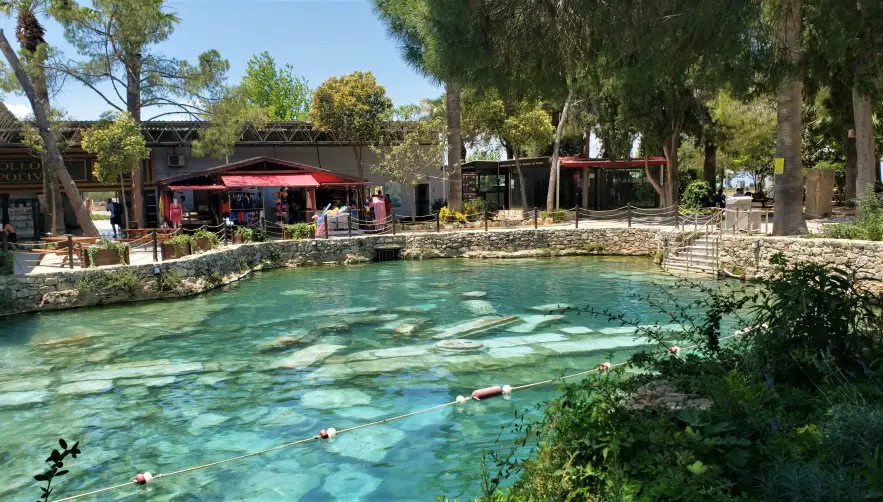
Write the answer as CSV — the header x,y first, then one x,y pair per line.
x,y
379,206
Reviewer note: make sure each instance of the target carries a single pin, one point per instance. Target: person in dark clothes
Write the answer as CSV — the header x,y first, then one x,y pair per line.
x,y
9,230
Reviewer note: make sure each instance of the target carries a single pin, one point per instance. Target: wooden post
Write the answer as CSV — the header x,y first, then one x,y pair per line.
x,y
485,221
3,237
576,218
437,221
70,250
393,223
535,215
676,214
154,246
349,222
226,234
326,226
628,212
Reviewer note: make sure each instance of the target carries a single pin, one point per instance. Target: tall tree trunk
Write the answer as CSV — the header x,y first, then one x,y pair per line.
x,y
133,105
849,169
49,204
789,185
551,196
670,150
51,190
455,143
521,188
709,165
660,190
123,201
862,107
49,144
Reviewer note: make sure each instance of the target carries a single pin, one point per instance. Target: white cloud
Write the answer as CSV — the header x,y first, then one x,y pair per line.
x,y
18,109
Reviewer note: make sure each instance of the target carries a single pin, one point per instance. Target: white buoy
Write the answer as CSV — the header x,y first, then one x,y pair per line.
x,y
461,400
331,432
507,389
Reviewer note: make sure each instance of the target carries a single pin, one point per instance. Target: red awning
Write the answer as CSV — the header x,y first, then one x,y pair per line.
x,y
584,162
196,187
286,180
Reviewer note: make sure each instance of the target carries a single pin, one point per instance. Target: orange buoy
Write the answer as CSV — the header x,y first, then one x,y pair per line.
x,y
486,392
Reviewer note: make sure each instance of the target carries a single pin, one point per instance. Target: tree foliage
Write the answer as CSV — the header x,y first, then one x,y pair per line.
x,y
406,162
747,132
283,95
354,106
116,146
227,118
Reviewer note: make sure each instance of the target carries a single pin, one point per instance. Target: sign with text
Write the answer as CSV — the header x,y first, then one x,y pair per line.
x,y
30,171
779,165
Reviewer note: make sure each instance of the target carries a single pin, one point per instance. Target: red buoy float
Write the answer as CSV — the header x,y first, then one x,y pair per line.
x,y
143,479
323,434
487,392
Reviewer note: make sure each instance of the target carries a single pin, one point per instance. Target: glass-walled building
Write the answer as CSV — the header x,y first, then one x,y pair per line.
x,y
588,183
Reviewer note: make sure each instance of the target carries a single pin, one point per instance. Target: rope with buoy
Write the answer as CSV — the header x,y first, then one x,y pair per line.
x,y
330,433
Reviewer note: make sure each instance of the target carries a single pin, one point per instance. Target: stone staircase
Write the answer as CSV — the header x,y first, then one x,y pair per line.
x,y
695,254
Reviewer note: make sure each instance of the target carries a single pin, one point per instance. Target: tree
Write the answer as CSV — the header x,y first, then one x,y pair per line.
x,y
528,131
227,118
116,145
405,162
34,52
355,108
115,39
747,133
789,183
39,105
283,95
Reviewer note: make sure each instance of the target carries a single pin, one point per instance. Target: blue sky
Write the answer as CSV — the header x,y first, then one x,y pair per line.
x,y
320,38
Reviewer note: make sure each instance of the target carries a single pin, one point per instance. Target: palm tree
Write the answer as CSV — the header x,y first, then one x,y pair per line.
x,y
789,182
29,32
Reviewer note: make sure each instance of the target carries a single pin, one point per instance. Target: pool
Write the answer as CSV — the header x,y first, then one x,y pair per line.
x,y
165,385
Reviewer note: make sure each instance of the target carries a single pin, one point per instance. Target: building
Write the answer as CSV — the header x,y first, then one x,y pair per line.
x,y
588,183
21,177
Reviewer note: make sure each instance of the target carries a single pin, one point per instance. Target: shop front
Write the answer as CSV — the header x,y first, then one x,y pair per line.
x,y
259,189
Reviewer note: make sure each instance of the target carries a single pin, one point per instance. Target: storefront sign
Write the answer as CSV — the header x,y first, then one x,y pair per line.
x,y
21,171
469,180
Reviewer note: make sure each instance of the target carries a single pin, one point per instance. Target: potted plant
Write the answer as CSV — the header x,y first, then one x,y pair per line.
x,y
176,247
242,234
299,231
205,240
106,252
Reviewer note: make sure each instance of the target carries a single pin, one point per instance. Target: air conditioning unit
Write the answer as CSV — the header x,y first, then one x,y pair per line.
x,y
176,161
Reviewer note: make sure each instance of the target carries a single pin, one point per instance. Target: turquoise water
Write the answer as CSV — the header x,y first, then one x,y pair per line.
x,y
162,386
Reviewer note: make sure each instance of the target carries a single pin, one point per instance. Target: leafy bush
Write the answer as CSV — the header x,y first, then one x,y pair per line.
x,y
792,409
168,280
480,207
437,204
697,196
686,176
299,231
124,281
7,263
868,225
558,215
448,216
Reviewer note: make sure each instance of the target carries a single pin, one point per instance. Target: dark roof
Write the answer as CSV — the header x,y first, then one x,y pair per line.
x,y
255,165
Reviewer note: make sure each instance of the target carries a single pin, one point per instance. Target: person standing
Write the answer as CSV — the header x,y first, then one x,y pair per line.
x,y
387,202
9,230
176,213
115,213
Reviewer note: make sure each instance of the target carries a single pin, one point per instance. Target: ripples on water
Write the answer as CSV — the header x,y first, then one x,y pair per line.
x,y
165,385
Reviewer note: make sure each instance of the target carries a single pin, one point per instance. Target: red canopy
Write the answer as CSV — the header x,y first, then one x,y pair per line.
x,y
315,179
584,162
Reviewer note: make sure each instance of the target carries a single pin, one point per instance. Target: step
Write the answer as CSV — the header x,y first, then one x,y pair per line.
x,y
694,269
694,258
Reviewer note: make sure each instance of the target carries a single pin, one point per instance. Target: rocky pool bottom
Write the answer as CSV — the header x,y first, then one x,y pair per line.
x,y
162,386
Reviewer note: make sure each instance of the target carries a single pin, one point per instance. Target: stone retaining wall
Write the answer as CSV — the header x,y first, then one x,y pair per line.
x,y
196,274
752,254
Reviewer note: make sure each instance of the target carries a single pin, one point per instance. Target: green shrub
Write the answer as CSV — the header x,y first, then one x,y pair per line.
x,y
168,280
448,216
252,234
696,196
558,215
300,231
791,410
480,207
7,263
437,204
868,224
125,281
